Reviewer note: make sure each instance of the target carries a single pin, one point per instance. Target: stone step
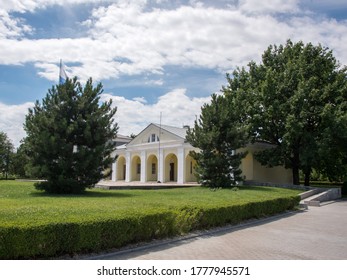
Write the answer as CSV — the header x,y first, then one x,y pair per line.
x,y
309,193
322,195
303,205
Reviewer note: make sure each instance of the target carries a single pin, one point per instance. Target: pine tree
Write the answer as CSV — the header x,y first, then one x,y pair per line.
x,y
69,137
218,136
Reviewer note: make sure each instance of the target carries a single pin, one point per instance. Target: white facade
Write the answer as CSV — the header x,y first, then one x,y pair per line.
x,y
157,154
161,154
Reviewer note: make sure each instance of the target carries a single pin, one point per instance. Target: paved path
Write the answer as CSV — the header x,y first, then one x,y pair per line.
x,y
318,233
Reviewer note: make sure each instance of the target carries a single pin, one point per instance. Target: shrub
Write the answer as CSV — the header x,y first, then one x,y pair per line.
x,y
54,239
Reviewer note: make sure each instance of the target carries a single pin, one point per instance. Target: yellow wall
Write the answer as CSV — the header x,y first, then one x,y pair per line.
x,y
277,174
252,170
190,169
170,158
120,168
134,163
247,166
152,159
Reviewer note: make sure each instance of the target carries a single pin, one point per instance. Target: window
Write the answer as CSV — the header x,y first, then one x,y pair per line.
x,y
153,138
138,168
153,168
191,167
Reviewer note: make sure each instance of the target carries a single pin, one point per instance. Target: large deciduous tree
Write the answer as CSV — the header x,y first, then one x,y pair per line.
x,y
69,137
296,100
218,136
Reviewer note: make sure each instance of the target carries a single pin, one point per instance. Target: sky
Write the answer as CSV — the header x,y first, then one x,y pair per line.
x,y
153,57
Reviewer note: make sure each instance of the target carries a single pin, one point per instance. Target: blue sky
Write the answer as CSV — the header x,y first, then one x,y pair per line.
x,y
151,56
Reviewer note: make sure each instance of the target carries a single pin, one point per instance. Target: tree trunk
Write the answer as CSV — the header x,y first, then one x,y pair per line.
x,y
307,177
295,166
296,178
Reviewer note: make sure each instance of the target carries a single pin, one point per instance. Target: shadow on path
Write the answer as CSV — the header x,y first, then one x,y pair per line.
x,y
133,251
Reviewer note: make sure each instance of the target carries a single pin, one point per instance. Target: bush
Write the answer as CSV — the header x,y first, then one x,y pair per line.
x,y
59,239
54,239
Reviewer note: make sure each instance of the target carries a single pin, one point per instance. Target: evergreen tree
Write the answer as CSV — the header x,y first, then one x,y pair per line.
x,y
218,136
69,137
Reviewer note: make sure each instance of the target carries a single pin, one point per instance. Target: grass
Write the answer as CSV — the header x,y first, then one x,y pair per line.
x,y
21,205
34,224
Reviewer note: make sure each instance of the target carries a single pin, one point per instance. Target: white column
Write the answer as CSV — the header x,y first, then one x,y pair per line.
x,y
161,164
128,166
114,171
181,166
143,167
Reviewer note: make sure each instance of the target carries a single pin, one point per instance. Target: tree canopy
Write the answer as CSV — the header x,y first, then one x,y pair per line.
x,y
218,137
295,99
69,137
6,152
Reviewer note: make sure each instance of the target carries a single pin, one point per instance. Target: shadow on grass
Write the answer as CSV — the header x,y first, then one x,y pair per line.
x,y
126,193
244,188
86,194
256,188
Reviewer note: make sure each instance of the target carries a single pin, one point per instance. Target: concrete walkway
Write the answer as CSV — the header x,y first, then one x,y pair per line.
x,y
318,233
122,185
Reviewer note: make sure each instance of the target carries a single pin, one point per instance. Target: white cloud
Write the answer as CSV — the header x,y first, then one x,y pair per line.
x,y
132,37
140,99
12,119
135,38
176,107
203,36
269,6
12,27
132,115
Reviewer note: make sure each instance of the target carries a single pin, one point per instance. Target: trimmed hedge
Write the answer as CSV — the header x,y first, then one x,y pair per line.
x,y
55,239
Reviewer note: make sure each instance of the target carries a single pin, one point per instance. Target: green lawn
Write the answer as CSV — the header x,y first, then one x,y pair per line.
x,y
22,205
34,224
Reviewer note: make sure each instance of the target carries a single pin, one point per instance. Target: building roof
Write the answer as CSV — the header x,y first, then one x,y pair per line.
x,y
178,131
121,137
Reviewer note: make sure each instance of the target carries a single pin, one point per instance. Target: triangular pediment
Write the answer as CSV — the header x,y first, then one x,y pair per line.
x,y
153,133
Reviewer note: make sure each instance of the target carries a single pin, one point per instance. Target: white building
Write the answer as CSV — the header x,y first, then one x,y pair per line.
x,y
161,153
158,153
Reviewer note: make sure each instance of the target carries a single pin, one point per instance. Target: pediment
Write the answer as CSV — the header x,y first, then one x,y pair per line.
x,y
153,133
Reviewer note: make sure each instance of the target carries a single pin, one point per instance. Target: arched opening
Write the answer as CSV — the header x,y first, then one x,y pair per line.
x,y
190,169
135,169
121,168
152,168
171,168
